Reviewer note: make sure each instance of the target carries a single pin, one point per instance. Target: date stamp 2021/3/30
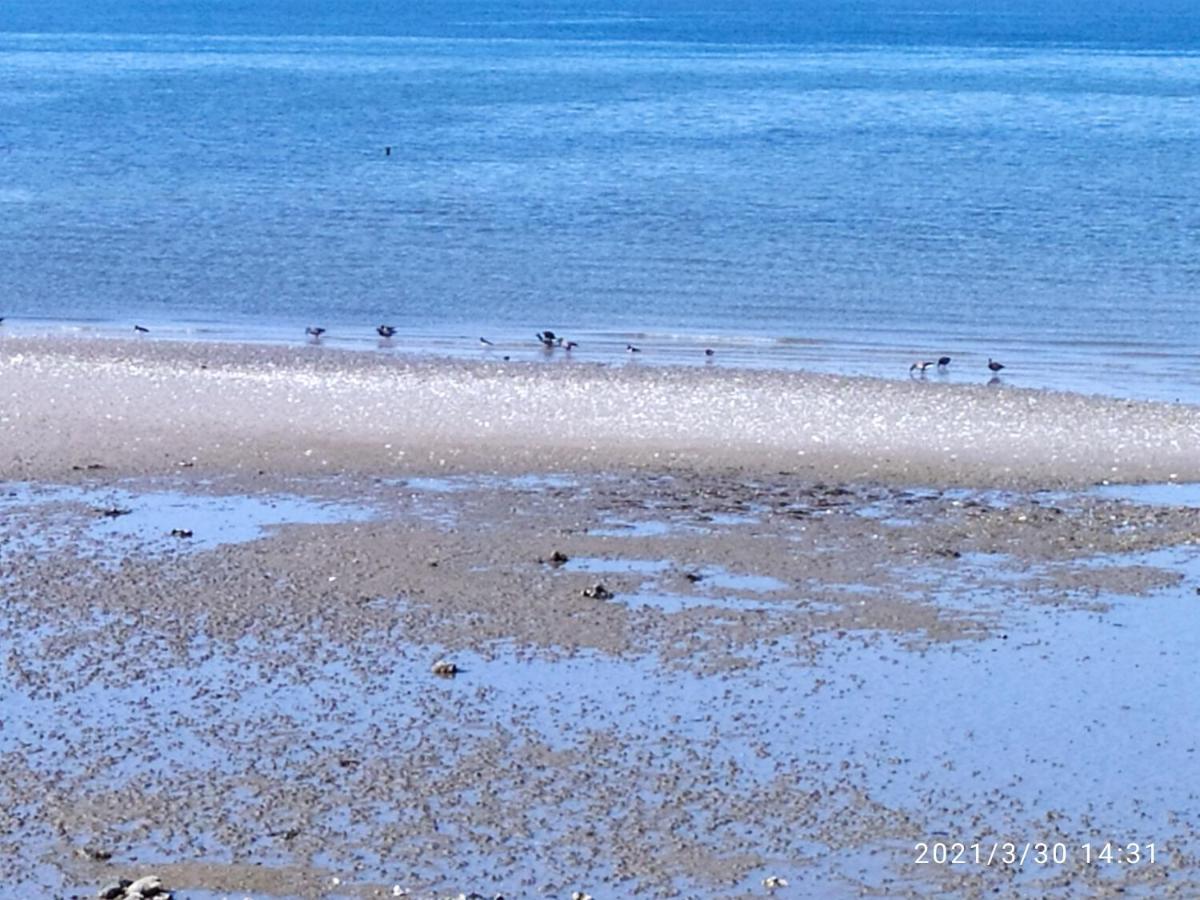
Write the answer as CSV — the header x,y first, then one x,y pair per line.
x,y
1033,853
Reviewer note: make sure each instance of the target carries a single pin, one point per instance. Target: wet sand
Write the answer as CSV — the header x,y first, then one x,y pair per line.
x,y
798,667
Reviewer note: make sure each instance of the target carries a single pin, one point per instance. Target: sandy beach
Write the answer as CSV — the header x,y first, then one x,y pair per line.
x,y
142,407
710,628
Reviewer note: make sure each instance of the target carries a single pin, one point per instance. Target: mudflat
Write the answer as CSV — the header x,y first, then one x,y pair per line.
x,y
710,632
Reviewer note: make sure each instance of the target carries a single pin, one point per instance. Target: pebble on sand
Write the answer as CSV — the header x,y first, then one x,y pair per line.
x,y
142,889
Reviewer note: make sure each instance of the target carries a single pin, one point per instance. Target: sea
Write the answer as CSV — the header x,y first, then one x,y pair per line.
x,y
832,186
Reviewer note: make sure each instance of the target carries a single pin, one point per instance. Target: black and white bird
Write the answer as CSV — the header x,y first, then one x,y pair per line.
x,y
484,342
385,331
629,348
141,329
549,339
709,351
314,332
943,361
920,366
994,366
570,345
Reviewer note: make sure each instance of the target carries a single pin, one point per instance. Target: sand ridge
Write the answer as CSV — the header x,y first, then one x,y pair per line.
x,y
142,407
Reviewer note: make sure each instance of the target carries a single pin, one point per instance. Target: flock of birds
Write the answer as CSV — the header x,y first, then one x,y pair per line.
x,y
943,363
551,341
548,339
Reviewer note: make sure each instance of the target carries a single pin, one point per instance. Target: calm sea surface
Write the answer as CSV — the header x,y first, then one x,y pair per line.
x,y
833,186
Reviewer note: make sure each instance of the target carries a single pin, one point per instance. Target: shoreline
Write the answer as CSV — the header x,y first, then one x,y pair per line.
x,y
229,571
141,408
1115,369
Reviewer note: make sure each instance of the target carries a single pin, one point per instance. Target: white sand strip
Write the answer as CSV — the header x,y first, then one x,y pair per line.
x,y
143,406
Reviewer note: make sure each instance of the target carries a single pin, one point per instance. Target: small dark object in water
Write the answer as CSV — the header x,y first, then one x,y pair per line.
x,y
943,361
385,331
181,532
112,512
629,348
314,331
558,558
709,351
994,366
141,329
485,342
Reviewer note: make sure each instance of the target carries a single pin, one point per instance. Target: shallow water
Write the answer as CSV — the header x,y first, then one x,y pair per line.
x,y
124,523
849,189
1063,711
1185,494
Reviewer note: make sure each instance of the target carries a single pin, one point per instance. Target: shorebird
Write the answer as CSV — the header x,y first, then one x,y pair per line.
x,y
943,361
385,331
994,366
485,342
549,339
920,366
314,332
629,348
570,345
709,351
140,330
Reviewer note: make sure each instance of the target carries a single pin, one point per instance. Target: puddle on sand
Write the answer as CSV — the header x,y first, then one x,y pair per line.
x,y
647,528
456,484
1186,494
147,518
614,565
719,577
710,582
702,523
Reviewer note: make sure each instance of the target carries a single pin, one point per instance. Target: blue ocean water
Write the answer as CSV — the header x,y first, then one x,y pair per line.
x,y
828,185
